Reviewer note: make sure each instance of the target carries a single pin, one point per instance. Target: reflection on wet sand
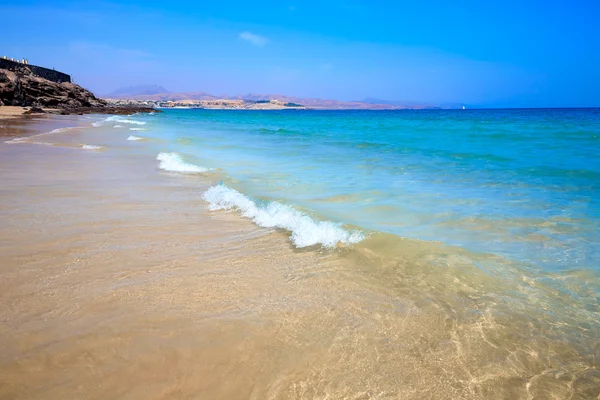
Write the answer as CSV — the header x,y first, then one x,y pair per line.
x,y
117,282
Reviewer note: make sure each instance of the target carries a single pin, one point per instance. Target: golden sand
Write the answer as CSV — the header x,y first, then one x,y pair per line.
x,y
9,112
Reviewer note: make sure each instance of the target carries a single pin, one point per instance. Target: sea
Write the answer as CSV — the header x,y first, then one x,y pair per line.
x,y
522,185
490,216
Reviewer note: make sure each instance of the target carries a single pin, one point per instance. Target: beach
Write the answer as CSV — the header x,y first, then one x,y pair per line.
x,y
9,112
121,279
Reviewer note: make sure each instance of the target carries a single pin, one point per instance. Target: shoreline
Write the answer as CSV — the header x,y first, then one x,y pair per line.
x,y
12,112
120,280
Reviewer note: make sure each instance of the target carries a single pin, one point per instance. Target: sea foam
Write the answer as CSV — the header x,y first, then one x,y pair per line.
x,y
132,137
175,163
91,147
137,129
27,139
122,120
16,140
119,120
305,231
60,130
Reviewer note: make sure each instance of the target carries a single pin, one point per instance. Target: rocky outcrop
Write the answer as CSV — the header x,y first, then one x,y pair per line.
x,y
21,87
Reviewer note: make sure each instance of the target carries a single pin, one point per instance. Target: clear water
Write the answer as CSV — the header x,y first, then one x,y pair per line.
x,y
484,221
522,184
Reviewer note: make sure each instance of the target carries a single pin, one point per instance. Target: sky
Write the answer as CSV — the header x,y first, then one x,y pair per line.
x,y
477,53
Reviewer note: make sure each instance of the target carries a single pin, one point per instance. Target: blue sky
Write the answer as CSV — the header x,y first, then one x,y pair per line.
x,y
498,54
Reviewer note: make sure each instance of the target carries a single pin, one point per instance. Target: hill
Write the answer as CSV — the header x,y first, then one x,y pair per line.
x,y
21,85
314,103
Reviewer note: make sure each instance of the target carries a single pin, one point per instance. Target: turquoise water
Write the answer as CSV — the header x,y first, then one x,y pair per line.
x,y
471,237
485,221
521,184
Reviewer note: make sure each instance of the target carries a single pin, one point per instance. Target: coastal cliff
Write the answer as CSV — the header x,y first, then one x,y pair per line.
x,y
22,87
49,91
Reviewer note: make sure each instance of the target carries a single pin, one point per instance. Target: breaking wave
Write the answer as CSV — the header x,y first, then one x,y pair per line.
x,y
175,163
137,129
91,147
305,231
132,137
15,140
27,139
60,130
122,120
119,120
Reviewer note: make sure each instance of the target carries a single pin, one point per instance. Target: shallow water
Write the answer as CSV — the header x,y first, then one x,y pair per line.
x,y
520,183
321,281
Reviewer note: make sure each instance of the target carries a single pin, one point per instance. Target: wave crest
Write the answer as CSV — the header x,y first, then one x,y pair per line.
x,y
133,137
305,231
122,120
175,163
118,119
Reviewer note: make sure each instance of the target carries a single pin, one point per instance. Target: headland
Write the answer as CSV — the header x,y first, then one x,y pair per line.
x,y
33,89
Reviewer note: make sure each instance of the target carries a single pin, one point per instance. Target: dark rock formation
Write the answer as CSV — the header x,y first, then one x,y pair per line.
x,y
21,87
35,110
46,73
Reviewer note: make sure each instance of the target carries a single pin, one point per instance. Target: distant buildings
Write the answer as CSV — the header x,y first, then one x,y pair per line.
x,y
221,104
22,61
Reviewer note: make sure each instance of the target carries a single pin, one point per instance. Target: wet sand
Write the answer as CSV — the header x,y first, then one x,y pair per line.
x,y
117,282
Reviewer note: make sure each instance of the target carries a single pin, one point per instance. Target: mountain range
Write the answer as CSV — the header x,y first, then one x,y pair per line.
x,y
159,93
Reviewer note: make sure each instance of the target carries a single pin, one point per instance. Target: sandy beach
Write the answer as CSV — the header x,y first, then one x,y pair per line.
x,y
335,200
116,281
9,112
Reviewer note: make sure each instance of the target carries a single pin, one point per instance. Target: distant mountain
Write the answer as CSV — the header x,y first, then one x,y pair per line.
x,y
315,103
139,90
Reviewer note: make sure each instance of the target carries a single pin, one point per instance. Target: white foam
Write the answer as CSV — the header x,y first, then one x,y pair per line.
x,y
131,121
15,140
122,120
119,120
91,147
27,139
60,130
24,140
132,137
118,126
305,231
175,163
137,129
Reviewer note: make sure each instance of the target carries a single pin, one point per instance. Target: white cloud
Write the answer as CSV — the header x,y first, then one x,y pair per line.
x,y
256,40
